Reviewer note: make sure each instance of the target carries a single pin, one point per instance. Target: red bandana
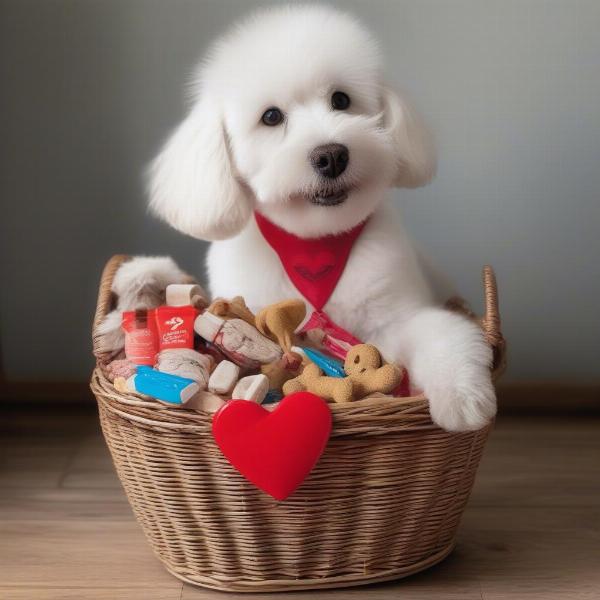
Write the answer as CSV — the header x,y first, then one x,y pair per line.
x,y
313,265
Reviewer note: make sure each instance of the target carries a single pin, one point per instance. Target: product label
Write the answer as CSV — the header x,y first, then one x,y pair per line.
x,y
176,326
141,337
140,346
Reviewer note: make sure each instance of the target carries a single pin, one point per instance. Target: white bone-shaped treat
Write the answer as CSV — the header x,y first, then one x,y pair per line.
x,y
224,377
252,387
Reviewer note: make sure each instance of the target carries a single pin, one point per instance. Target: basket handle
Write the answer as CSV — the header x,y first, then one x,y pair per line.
x,y
106,298
490,322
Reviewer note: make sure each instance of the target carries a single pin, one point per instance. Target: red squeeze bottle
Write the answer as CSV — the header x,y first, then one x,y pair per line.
x,y
141,336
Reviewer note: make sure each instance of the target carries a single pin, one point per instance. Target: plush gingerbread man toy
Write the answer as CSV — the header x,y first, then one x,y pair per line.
x,y
363,366
332,389
365,375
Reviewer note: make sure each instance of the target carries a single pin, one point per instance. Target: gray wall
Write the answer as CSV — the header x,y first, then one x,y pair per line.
x,y
89,89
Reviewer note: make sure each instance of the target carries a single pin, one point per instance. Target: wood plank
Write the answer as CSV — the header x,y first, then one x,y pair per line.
x,y
90,593
540,462
43,504
92,466
402,590
34,462
531,552
528,594
78,553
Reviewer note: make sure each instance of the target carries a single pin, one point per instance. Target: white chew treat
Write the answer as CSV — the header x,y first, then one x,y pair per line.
x,y
224,377
182,294
237,336
188,392
208,325
187,363
252,387
205,401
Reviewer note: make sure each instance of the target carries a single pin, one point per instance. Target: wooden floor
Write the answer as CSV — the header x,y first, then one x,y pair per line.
x,y
531,529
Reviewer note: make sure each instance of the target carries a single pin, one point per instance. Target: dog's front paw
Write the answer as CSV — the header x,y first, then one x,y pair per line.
x,y
464,402
451,364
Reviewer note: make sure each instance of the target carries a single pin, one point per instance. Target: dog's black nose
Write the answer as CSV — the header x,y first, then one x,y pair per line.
x,y
330,160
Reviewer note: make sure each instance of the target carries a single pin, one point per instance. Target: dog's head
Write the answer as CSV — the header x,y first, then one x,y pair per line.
x,y
290,117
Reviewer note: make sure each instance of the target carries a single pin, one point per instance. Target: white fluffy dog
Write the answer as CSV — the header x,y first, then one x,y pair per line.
x,y
291,117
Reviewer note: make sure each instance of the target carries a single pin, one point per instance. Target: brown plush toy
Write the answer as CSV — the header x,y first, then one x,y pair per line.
x,y
232,309
334,389
363,366
365,375
279,321
282,370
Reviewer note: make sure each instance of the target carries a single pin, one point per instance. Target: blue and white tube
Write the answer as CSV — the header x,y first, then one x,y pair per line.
x,y
162,386
330,366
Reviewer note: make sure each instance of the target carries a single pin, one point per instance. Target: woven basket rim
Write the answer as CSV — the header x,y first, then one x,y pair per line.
x,y
134,399
368,417
376,407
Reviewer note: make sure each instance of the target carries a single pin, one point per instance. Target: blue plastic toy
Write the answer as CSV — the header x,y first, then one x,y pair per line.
x,y
163,386
272,397
329,366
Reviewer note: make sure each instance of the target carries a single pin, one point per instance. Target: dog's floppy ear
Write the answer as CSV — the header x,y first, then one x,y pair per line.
x,y
411,140
192,182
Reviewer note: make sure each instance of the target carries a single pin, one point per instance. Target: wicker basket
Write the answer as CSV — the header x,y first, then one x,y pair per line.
x,y
383,502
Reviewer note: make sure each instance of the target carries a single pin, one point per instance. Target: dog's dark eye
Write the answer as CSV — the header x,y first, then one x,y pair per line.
x,y
272,116
340,101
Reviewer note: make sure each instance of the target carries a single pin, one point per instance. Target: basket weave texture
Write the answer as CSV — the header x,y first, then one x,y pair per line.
x,y
383,502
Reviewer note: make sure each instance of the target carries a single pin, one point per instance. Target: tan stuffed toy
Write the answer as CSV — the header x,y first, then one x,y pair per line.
x,y
334,389
279,322
232,309
365,376
282,370
363,366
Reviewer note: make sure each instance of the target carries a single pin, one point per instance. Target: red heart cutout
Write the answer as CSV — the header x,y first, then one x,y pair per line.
x,y
274,450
